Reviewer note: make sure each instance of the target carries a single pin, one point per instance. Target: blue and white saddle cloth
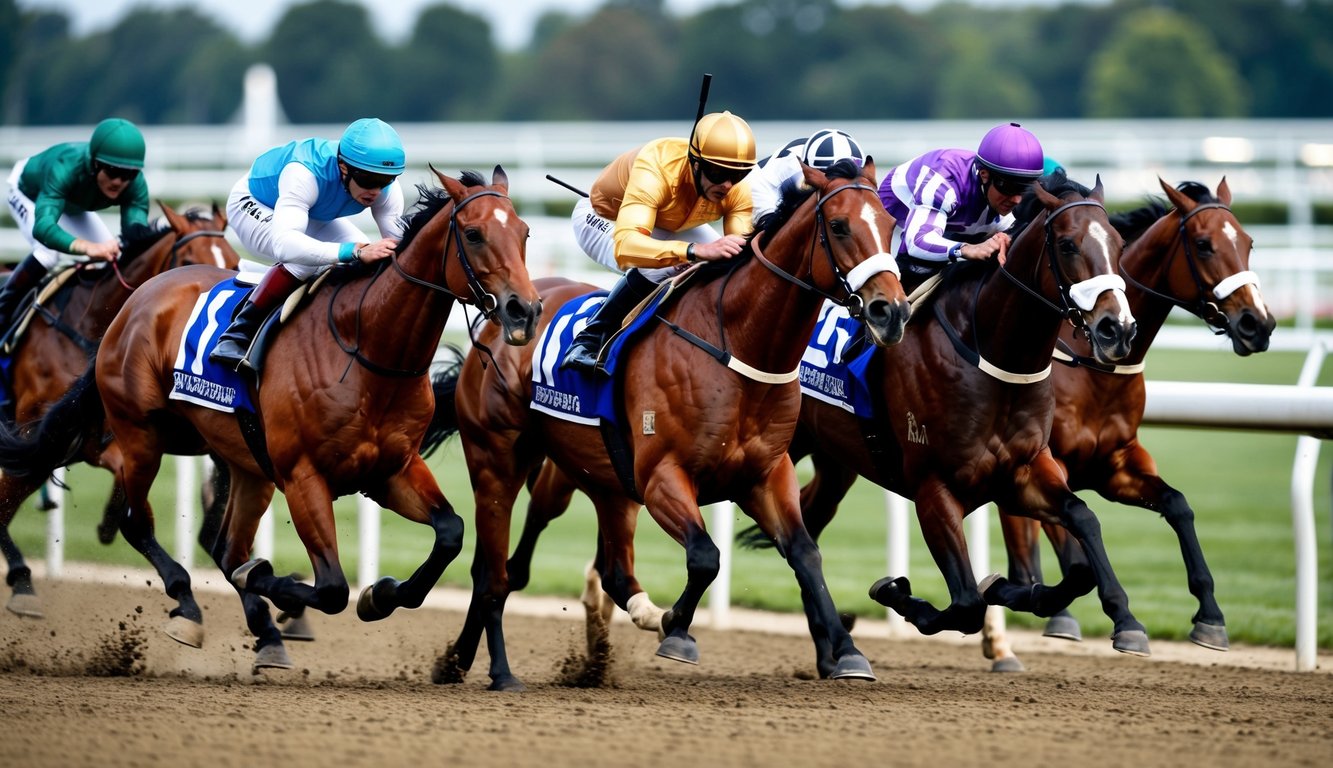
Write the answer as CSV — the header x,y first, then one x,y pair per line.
x,y
194,378
576,395
833,368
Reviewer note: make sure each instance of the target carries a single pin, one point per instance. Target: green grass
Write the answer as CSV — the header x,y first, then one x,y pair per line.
x,y
1238,484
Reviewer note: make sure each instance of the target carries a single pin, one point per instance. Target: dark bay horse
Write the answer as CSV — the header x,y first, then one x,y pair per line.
x,y
963,410
1195,256
343,399
52,350
700,429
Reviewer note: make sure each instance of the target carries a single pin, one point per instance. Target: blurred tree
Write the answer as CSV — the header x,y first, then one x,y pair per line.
x,y
449,69
970,85
1158,63
613,66
9,46
33,87
330,63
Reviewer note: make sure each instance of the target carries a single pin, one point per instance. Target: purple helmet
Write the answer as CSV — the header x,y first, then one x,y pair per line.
x,y
1012,150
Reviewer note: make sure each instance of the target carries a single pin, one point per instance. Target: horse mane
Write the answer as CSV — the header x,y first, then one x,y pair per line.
x,y
431,200
1057,183
136,239
1133,223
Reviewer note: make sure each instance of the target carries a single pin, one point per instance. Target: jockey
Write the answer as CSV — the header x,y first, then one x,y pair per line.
x,y
293,207
53,196
649,214
822,149
955,204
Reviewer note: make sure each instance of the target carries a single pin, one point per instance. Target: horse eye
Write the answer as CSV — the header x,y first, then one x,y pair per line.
x,y
1203,245
473,236
839,228
1068,247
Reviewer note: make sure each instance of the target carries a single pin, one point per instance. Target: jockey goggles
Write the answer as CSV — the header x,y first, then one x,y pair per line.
x,y
116,172
1009,185
367,180
719,174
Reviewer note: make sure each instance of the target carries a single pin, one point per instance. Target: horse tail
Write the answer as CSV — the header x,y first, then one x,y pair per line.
x,y
753,537
55,441
444,383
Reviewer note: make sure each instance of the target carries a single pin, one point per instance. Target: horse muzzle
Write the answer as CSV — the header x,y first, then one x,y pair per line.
x,y
518,318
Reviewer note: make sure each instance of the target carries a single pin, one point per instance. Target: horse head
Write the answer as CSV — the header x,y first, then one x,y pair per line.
x,y
490,242
1213,279
854,232
193,237
1083,250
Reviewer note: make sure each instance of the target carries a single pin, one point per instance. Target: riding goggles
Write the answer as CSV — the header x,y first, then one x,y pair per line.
x,y
720,174
367,180
1009,185
116,172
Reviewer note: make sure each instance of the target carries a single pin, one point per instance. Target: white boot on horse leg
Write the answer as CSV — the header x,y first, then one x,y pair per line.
x,y
995,642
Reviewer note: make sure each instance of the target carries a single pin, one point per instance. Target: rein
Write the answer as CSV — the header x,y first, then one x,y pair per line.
x,y
487,303
852,302
1201,307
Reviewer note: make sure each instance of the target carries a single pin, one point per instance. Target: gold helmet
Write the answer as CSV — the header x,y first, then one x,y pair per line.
x,y
723,139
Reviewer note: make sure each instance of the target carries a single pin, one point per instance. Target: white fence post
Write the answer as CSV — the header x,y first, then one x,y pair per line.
x,y
1303,528
719,594
895,510
368,527
55,526
187,494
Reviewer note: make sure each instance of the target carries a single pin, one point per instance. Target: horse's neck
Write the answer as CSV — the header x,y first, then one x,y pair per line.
x,y
1147,262
399,322
1013,329
769,320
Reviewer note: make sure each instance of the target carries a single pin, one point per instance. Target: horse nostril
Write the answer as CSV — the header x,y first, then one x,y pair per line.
x,y
1109,331
1248,325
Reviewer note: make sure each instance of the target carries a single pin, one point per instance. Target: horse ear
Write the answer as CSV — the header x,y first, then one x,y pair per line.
x,y
868,169
1098,193
499,178
176,220
813,176
1178,199
451,185
219,216
1224,192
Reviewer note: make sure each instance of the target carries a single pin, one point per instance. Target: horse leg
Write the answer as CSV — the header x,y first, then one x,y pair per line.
x,y
940,516
185,624
23,600
1073,560
550,492
1138,483
827,488
414,494
112,513
311,506
235,536
776,506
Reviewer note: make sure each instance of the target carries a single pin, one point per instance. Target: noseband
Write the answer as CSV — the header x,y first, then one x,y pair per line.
x,y
1201,307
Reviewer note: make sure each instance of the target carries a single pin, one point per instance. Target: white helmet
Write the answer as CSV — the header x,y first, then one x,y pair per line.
x,y
829,145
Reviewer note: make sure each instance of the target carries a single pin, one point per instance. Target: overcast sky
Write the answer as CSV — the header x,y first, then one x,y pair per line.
x,y
512,20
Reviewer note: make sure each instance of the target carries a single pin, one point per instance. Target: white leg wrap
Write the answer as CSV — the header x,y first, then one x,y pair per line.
x,y
644,614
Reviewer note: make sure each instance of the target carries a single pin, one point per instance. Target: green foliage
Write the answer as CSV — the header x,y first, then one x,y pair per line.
x,y
1158,63
324,54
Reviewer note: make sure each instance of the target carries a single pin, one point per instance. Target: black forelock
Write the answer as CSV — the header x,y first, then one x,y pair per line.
x,y
1057,183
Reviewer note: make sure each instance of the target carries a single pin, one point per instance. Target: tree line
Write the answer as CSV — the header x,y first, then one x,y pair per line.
x,y
632,60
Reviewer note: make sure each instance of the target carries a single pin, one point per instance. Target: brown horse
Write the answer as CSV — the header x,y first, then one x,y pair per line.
x,y
342,401
698,431
1195,256
51,350
963,409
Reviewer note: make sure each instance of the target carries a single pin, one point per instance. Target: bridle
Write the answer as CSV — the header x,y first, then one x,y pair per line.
x,y
1201,307
486,302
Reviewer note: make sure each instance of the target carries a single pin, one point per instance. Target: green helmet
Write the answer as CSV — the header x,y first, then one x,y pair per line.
x,y
117,142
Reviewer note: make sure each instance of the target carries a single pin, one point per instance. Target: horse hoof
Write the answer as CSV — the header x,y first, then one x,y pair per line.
x,y
1211,636
241,576
366,609
185,631
272,657
1133,642
853,666
1009,664
677,649
297,628
1063,628
985,586
27,606
889,591
507,684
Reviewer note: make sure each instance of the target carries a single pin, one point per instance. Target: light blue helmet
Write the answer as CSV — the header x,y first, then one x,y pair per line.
x,y
373,145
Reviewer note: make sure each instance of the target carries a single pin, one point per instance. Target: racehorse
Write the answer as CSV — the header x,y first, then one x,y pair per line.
x,y
962,410
342,401
1195,256
700,431
50,351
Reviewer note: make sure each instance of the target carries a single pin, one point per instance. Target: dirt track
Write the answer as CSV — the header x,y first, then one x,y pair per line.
x,y
96,683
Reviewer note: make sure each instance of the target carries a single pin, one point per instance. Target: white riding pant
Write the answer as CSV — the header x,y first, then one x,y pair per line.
x,y
87,225
253,222
594,235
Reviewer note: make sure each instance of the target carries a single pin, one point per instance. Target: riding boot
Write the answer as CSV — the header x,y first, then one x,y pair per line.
x,y
626,295
24,278
233,347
